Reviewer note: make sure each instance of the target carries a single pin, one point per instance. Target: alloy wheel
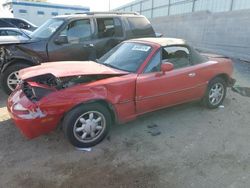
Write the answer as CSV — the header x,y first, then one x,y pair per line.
x,y
216,94
13,80
89,126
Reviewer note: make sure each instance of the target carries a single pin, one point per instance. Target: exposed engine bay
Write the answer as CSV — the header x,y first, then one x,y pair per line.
x,y
37,87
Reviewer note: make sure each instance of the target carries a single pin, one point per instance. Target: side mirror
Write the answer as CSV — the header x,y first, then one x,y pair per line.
x,y
165,67
62,39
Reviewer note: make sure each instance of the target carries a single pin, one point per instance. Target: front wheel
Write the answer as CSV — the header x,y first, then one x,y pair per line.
x,y
10,77
87,125
216,93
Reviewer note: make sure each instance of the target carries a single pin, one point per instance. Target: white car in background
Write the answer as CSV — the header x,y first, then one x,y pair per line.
x,y
10,31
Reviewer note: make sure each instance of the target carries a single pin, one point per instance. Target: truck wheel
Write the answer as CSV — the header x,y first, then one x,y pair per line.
x,y
10,78
87,125
216,93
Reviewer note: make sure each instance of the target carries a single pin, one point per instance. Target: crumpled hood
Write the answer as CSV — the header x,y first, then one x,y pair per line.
x,y
69,68
13,39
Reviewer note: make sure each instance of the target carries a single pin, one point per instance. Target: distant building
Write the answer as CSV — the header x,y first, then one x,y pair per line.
x,y
38,11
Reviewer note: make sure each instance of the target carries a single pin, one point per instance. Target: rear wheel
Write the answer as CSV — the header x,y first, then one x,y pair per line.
x,y
216,93
10,77
87,125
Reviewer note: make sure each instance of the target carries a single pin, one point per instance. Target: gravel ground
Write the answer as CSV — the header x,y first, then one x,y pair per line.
x,y
192,147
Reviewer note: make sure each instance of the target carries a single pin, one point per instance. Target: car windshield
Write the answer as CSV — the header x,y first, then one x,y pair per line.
x,y
47,29
127,56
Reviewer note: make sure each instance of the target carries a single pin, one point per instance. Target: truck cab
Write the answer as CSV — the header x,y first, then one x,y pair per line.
x,y
77,37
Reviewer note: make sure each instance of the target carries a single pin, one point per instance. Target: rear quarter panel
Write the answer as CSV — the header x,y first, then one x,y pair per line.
x,y
214,67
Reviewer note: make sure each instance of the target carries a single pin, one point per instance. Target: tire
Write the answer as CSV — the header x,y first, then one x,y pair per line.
x,y
11,72
216,93
78,123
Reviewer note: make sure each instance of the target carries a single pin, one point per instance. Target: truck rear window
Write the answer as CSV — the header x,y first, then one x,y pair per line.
x,y
141,27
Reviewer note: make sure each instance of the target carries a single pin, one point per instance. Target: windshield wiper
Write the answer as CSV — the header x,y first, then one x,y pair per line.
x,y
114,67
108,65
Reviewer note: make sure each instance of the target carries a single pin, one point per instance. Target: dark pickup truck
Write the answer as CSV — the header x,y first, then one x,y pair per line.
x,y
76,37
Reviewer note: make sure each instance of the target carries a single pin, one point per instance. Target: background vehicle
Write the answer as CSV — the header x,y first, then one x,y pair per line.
x,y
10,31
18,23
71,37
135,77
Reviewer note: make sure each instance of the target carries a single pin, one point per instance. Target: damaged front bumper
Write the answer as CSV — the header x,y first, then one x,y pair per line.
x,y
29,117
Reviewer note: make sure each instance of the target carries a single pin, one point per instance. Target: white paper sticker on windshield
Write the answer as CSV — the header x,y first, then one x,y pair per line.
x,y
141,48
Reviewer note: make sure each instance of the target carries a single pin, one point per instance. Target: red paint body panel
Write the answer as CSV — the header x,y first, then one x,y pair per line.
x,y
129,94
117,91
156,90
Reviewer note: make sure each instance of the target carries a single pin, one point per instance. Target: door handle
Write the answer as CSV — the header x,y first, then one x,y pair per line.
x,y
192,74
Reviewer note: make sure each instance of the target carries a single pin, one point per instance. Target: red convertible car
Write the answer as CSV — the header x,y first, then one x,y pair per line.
x,y
135,77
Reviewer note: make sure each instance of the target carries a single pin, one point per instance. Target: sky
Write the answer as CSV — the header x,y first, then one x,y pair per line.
x,y
95,5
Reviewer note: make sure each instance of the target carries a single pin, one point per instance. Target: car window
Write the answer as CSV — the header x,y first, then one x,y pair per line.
x,y
140,26
179,56
127,56
12,33
77,31
15,22
154,64
105,27
4,23
109,27
3,33
21,24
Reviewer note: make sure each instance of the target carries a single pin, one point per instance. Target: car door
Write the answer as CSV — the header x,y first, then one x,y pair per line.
x,y
73,42
155,89
108,34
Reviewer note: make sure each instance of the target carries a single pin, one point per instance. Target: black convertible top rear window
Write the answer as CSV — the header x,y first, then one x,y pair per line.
x,y
197,58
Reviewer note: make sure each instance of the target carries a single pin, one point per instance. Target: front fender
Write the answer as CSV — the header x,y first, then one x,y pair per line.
x,y
16,53
66,99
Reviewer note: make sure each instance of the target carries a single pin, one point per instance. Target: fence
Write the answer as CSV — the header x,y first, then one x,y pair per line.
x,y
158,8
224,33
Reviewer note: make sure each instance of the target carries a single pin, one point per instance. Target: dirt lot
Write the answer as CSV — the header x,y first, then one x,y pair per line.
x,y
197,148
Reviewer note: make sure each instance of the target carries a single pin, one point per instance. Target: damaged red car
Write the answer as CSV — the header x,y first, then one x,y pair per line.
x,y
135,77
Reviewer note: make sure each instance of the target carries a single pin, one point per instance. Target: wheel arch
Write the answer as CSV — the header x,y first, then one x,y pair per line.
x,y
224,76
16,61
103,102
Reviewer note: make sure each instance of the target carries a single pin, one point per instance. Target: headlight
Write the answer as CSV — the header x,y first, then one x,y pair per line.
x,y
25,113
